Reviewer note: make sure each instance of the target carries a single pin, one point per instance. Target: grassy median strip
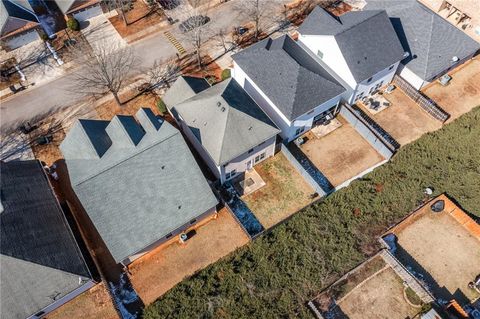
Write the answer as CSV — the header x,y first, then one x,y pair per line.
x,y
279,272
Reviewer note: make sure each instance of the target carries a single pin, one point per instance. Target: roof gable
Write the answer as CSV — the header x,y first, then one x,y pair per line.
x,y
184,88
277,66
226,121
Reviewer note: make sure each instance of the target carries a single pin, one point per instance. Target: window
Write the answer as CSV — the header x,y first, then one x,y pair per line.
x,y
391,67
262,156
300,130
320,54
233,172
257,158
369,80
250,150
359,96
227,176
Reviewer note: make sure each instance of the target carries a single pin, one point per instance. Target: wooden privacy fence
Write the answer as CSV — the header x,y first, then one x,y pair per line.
x,y
423,101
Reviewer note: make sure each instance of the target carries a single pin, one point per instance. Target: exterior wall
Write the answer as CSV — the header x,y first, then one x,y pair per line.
x,y
68,297
88,13
174,233
240,163
411,77
22,39
381,78
196,144
332,56
287,127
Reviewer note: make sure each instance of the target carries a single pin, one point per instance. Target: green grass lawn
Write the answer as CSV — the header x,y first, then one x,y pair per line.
x,y
279,272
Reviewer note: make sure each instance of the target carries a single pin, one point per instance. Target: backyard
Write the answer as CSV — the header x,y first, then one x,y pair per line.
x,y
404,120
341,154
462,93
157,272
275,275
94,303
454,245
284,194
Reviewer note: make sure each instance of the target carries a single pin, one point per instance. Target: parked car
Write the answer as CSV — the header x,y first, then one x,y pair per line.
x,y
193,22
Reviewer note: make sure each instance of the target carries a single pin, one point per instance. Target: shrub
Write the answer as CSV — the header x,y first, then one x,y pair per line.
x,y
162,108
226,73
73,24
43,36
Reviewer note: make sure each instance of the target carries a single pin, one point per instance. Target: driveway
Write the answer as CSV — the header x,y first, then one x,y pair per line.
x,y
99,30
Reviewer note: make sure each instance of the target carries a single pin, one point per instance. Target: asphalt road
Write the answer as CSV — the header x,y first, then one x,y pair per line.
x,y
57,94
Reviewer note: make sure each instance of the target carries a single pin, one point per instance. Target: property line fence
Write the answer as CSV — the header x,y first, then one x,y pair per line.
x,y
385,146
312,175
422,100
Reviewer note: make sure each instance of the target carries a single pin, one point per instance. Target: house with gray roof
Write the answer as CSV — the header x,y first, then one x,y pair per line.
x,y
80,9
137,181
42,266
361,46
435,46
18,24
289,83
224,124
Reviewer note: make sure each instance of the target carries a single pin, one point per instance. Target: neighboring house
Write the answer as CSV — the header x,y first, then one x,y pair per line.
x,y
223,123
81,10
289,83
41,265
18,24
360,46
435,46
136,180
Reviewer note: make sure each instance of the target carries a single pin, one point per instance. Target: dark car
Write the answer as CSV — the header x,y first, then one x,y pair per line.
x,y
193,22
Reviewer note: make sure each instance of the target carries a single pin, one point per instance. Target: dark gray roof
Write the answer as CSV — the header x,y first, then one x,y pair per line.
x,y
14,15
226,121
184,88
431,40
136,191
367,39
40,259
288,75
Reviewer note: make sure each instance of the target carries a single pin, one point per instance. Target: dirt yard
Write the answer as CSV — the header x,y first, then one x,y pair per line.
x,y
463,92
444,251
109,109
342,154
157,272
284,194
404,119
139,18
381,296
94,303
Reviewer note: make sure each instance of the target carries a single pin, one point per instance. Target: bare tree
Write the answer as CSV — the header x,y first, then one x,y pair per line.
x,y
162,72
103,69
257,11
224,40
196,28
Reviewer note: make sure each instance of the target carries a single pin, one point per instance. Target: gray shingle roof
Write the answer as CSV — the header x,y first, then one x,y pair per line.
x,y
431,41
291,78
226,121
39,256
367,39
184,88
135,192
14,15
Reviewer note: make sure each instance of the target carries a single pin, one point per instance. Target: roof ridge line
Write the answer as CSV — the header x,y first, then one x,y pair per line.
x,y
429,43
223,135
123,129
125,159
352,26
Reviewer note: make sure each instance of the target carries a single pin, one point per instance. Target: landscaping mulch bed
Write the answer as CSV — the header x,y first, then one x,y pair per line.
x,y
139,18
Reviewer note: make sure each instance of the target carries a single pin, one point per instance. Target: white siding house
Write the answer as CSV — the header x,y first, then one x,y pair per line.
x,y
361,47
288,84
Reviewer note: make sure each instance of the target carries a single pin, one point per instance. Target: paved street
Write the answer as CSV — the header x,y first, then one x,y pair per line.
x,y
55,95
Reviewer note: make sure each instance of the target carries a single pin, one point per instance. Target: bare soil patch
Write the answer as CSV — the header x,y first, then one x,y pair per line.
x,y
462,94
381,296
139,18
284,194
157,272
342,154
404,119
94,303
444,251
